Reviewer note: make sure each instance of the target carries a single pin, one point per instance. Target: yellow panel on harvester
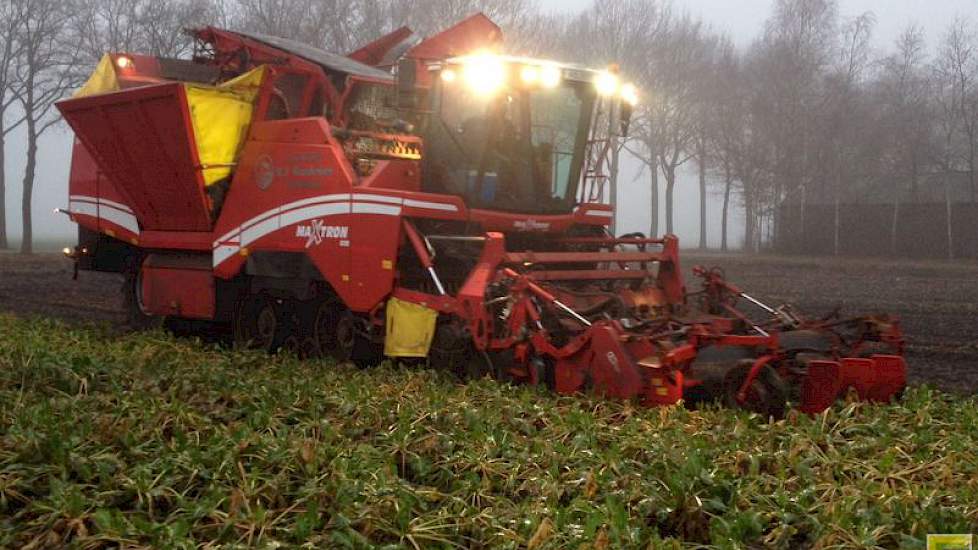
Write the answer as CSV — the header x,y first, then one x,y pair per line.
x,y
221,116
410,328
102,80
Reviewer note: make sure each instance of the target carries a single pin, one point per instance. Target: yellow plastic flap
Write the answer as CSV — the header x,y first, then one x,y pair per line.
x,y
410,328
221,116
102,80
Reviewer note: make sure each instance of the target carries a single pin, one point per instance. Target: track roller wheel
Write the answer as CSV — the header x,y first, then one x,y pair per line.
x,y
300,346
258,325
323,317
767,395
352,344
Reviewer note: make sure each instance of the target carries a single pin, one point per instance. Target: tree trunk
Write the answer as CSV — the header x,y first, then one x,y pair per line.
x,y
971,174
654,200
670,186
895,224
836,221
947,207
726,208
27,237
748,221
702,166
971,181
3,194
801,242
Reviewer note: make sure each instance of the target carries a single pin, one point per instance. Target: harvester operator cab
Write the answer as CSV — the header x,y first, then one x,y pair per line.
x,y
509,133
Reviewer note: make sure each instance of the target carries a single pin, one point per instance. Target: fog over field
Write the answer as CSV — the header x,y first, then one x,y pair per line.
x,y
743,21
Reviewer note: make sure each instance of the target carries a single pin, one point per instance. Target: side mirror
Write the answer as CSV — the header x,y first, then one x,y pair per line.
x,y
407,85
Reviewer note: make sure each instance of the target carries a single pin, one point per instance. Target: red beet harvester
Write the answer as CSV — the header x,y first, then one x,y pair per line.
x,y
424,198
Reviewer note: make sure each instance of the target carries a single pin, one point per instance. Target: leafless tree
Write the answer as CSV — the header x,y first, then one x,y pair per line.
x,y
725,115
44,73
429,17
710,88
843,94
10,20
789,62
905,119
958,64
102,26
162,23
343,25
673,110
955,87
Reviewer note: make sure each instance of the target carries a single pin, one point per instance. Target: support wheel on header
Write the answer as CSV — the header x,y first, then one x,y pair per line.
x,y
766,396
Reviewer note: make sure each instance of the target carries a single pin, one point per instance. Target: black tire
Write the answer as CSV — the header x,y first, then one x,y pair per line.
x,y
323,316
711,366
767,396
137,317
352,344
258,324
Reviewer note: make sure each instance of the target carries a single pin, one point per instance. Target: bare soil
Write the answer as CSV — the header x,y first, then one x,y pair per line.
x,y
937,302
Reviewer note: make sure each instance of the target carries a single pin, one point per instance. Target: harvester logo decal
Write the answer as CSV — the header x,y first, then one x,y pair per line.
x,y
264,172
317,231
531,225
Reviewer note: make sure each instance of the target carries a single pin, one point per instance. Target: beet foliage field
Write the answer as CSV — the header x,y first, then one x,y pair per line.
x,y
144,439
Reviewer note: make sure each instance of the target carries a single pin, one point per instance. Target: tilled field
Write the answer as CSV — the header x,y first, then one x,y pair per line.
x,y
937,302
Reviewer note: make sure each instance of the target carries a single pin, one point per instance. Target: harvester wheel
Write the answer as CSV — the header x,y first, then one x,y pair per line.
x,y
351,344
132,300
710,368
325,317
767,396
257,324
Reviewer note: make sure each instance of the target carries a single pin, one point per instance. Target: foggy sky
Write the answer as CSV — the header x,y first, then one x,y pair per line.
x,y
742,19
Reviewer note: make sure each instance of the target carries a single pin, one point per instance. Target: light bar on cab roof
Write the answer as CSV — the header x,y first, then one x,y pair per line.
x,y
486,73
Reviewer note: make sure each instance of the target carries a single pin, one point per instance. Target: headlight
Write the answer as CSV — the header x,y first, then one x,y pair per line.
x,y
448,75
606,83
630,94
549,76
124,62
484,73
530,74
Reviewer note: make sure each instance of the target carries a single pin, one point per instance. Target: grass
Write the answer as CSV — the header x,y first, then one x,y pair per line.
x,y
146,440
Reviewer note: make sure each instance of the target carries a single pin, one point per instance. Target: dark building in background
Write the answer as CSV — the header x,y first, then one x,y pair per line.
x,y
876,220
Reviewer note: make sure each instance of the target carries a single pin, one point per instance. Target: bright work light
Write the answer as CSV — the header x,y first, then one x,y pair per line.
x,y
606,83
630,94
530,74
484,73
549,76
124,62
